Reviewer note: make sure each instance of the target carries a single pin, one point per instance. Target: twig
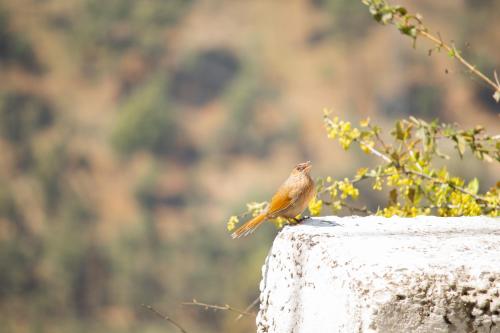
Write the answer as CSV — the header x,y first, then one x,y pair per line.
x,y
426,176
439,181
248,308
363,210
164,317
356,209
457,55
379,139
379,154
403,23
224,307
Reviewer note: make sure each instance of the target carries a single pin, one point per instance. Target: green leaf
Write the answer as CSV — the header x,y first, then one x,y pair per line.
x,y
412,194
488,158
473,186
393,197
442,155
460,140
399,131
496,96
373,10
450,132
401,10
386,18
405,29
413,32
361,172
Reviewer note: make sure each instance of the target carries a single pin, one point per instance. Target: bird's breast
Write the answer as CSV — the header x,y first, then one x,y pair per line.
x,y
303,190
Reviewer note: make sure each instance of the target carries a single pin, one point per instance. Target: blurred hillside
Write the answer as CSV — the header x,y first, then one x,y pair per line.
x,y
130,130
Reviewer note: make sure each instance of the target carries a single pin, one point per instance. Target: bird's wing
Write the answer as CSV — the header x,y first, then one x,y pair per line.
x,y
281,201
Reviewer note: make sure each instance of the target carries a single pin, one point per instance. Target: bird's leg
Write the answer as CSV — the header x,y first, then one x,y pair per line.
x,y
303,218
294,220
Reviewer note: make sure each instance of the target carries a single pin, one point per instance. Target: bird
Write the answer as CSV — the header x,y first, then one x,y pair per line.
x,y
290,200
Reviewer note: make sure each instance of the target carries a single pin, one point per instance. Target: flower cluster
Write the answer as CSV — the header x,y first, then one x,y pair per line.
x,y
406,172
315,206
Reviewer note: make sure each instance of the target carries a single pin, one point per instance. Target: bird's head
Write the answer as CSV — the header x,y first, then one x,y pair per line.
x,y
302,168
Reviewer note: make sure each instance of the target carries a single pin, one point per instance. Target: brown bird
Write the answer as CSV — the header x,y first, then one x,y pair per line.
x,y
290,200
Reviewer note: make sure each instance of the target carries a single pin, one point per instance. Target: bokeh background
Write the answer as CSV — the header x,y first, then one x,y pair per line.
x,y
131,129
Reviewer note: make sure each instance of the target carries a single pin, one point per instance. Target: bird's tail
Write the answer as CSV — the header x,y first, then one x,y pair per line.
x,y
249,227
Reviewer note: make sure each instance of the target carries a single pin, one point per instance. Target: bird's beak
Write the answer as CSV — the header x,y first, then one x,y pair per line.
x,y
308,166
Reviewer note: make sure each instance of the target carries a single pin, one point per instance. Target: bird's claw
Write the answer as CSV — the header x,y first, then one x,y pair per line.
x,y
295,220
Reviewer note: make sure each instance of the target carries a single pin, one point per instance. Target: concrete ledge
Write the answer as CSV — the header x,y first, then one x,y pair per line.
x,y
374,274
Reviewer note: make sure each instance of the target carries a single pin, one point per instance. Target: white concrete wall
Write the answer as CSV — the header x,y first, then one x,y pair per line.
x,y
373,274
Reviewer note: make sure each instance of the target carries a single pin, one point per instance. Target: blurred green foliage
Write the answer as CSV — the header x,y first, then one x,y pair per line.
x,y
15,48
22,115
103,30
204,76
146,121
244,131
240,133
418,100
349,19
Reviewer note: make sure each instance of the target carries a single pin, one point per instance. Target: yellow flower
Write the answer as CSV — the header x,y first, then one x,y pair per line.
x,y
355,133
336,206
315,206
279,222
256,207
233,221
365,122
378,184
345,142
393,180
366,146
348,189
361,172
333,190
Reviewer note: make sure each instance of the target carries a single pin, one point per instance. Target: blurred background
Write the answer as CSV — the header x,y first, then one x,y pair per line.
x,y
130,130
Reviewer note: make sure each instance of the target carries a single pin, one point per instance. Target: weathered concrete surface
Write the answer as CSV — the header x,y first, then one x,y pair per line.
x,y
373,274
